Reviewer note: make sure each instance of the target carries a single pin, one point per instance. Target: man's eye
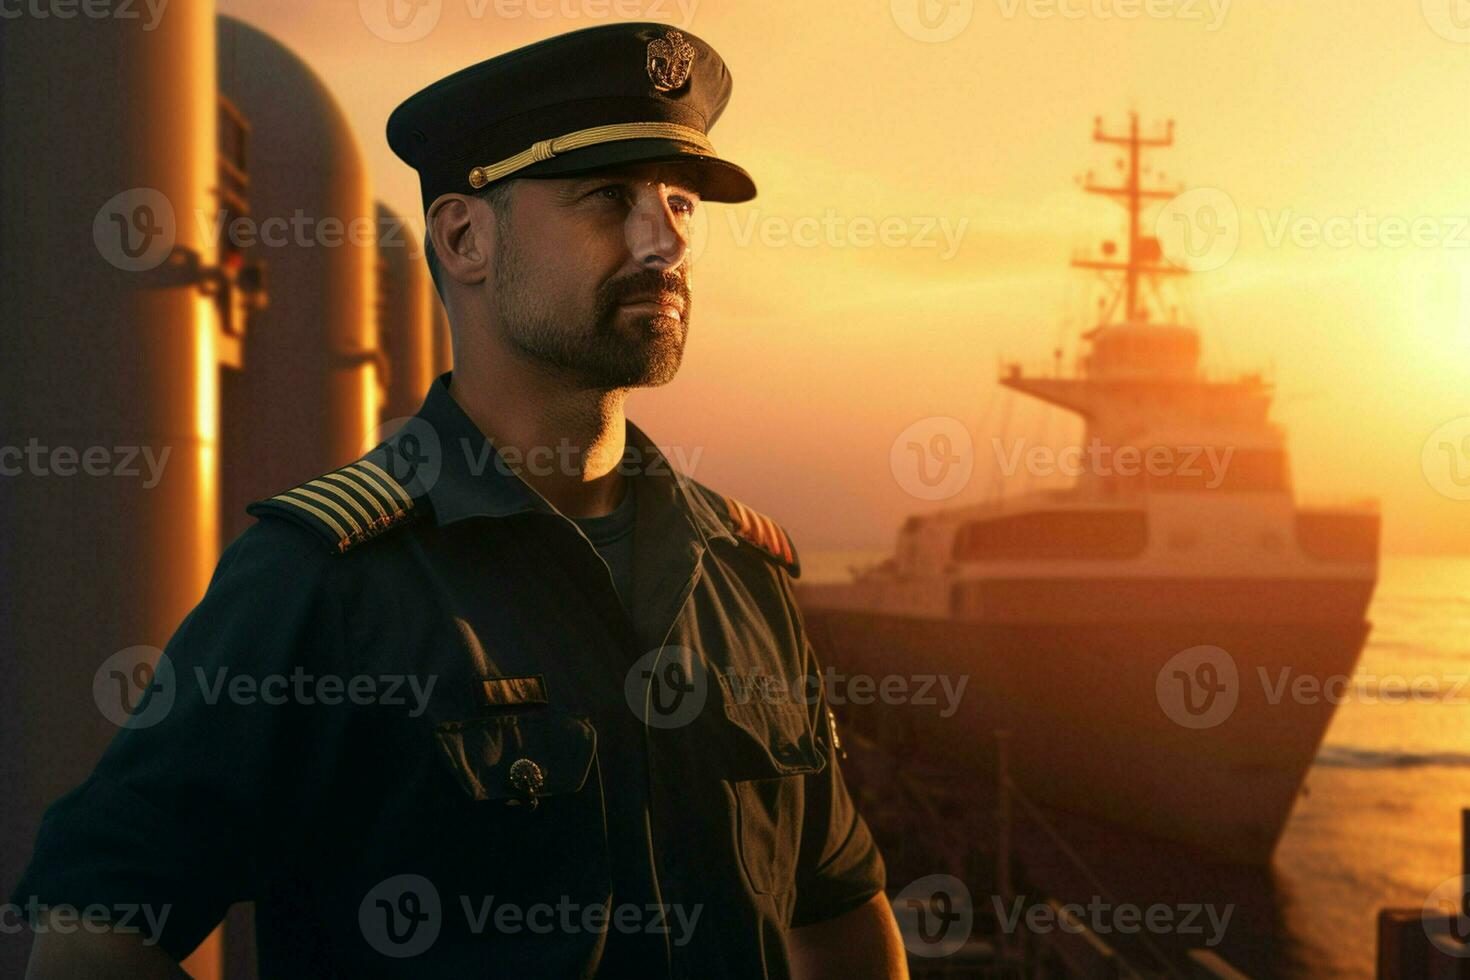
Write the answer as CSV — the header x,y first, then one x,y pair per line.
x,y
609,192
681,205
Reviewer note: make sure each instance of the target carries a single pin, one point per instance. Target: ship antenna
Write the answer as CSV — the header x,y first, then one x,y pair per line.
x,y
1144,256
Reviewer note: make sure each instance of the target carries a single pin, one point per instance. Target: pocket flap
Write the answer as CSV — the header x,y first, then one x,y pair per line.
x,y
482,752
770,738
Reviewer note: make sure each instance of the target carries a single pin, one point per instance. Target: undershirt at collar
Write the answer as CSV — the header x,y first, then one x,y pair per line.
x,y
612,535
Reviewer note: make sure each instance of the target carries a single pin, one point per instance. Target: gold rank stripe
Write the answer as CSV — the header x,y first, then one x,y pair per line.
x,y
358,486
385,501
389,505
326,501
368,464
345,497
319,514
576,140
374,503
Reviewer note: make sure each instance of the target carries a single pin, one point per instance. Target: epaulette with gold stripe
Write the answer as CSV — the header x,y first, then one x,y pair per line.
x,y
757,529
345,507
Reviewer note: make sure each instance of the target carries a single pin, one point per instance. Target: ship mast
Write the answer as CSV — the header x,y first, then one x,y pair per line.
x,y
1144,255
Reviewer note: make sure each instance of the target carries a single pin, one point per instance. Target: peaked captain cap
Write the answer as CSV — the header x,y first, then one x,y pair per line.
x,y
572,104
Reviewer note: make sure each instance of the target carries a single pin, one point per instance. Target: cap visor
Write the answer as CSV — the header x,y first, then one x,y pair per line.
x,y
718,180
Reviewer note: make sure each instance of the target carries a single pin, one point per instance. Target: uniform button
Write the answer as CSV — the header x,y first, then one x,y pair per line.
x,y
527,777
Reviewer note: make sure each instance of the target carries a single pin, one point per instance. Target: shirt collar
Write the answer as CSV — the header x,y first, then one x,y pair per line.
x,y
441,454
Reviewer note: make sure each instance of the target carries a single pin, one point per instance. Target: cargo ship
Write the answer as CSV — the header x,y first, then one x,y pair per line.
x,y
1165,642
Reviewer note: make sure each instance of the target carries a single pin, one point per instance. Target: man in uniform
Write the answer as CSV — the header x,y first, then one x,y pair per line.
x,y
510,695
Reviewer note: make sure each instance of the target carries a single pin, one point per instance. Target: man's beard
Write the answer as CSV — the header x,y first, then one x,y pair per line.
x,y
611,349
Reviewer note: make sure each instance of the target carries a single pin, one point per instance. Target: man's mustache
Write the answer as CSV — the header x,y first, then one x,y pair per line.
x,y
653,281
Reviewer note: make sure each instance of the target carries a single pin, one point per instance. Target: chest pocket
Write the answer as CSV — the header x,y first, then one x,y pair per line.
x,y
519,759
533,813
770,747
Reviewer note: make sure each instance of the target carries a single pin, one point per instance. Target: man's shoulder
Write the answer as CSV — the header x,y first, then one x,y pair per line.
x,y
271,555
343,508
752,528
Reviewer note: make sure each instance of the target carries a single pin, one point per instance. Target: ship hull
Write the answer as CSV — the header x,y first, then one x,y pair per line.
x,y
1092,727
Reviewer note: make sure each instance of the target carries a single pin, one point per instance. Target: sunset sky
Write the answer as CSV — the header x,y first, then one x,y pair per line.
x,y
806,360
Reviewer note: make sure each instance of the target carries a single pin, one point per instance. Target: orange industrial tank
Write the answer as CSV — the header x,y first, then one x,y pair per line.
x,y
405,316
309,395
109,363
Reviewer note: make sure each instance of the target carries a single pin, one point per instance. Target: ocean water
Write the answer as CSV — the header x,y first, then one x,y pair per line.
x,y
1378,823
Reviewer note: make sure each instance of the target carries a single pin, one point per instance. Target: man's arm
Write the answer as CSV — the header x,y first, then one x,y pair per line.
x,y
863,944
62,953
841,926
192,804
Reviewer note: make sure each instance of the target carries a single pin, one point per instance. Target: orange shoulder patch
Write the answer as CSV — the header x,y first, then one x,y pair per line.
x,y
764,533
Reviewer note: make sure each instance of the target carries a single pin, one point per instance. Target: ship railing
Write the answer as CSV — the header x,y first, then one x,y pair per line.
x,y
1119,965
1037,369
1071,369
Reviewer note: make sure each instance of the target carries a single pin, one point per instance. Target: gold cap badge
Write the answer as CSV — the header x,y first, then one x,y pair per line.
x,y
669,59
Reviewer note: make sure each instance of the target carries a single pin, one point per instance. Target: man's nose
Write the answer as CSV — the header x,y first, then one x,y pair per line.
x,y
658,238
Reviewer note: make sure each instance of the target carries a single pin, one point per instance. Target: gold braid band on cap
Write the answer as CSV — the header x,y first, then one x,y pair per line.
x,y
546,149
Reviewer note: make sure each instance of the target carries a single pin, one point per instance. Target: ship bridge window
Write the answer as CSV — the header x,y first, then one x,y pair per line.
x,y
1194,470
1085,534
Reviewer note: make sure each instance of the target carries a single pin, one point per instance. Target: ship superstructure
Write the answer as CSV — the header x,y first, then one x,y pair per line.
x,y
1108,625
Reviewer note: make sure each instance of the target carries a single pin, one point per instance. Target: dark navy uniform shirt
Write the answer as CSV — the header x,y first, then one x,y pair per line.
x,y
612,535
496,770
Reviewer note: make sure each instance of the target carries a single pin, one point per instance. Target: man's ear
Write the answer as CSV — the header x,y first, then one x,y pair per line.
x,y
462,230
